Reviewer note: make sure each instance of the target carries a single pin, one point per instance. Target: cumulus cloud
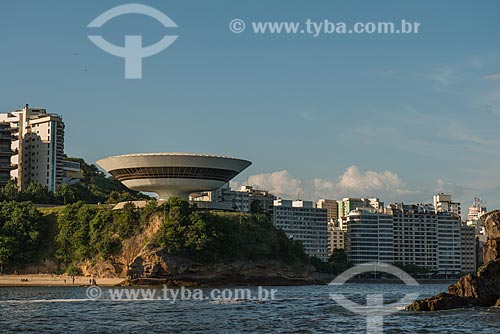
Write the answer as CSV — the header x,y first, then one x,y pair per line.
x,y
353,182
492,77
280,183
356,181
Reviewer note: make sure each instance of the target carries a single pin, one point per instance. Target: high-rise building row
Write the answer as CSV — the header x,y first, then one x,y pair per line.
x,y
419,235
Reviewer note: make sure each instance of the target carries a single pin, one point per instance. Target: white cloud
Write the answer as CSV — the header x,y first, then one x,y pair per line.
x,y
492,77
280,183
353,182
358,182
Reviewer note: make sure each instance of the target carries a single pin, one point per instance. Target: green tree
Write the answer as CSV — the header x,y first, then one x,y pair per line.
x,y
37,193
104,241
10,191
19,232
256,207
73,237
338,261
7,249
66,194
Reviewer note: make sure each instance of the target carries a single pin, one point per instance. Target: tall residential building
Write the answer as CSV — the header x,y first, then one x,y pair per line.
x,y
331,206
426,238
369,237
468,249
302,221
449,243
443,203
415,235
336,236
5,153
39,147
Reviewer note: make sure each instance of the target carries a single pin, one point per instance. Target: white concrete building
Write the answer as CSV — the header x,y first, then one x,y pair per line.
x,y
302,221
369,237
223,198
476,211
173,173
38,147
426,238
443,203
264,198
415,235
449,243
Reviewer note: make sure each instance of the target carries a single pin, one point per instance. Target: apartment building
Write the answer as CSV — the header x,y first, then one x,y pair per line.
x,y
331,206
468,254
38,147
302,221
369,237
415,235
5,153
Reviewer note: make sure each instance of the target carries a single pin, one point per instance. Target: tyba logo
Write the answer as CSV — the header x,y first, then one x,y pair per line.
x,y
132,52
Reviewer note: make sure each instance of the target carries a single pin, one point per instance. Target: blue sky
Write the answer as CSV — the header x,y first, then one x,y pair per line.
x,y
394,116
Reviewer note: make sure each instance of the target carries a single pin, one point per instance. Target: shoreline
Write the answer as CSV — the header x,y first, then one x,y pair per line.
x,y
48,280
36,280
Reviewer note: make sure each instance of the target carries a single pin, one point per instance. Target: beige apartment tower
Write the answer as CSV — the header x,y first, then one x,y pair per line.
x,y
37,147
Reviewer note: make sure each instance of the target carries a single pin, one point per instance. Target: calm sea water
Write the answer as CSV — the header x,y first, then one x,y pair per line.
x,y
306,309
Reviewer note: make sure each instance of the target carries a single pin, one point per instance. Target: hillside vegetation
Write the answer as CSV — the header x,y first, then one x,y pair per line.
x,y
80,232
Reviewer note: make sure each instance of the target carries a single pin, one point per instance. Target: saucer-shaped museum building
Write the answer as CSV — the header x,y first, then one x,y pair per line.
x,y
173,174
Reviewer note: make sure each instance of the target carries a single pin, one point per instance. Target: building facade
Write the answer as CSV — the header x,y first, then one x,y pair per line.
x,y
264,197
302,221
348,204
38,147
415,235
443,203
336,236
331,206
409,234
468,249
369,237
5,153
449,243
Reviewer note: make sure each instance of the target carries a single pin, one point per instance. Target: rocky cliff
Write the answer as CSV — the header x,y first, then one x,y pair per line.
x,y
141,262
155,266
482,289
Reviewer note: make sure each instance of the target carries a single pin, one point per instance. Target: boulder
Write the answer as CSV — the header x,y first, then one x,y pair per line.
x,y
443,301
491,223
483,287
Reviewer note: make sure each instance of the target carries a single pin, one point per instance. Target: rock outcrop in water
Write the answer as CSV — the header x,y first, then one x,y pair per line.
x,y
482,289
154,266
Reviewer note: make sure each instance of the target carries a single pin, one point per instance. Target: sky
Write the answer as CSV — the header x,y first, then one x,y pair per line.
x,y
398,117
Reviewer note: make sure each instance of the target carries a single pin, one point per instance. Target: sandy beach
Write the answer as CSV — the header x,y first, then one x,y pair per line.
x,y
54,280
